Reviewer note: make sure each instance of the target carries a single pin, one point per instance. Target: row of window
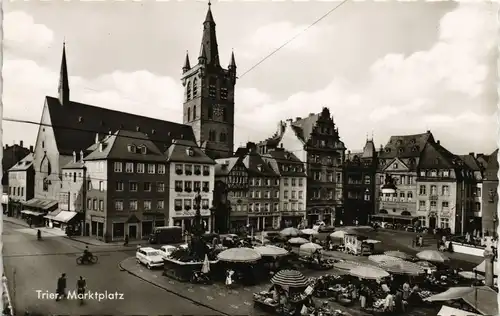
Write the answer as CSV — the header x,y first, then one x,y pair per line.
x,y
192,89
328,160
435,173
353,180
212,136
433,204
133,205
443,222
268,207
139,167
189,204
445,190
189,169
356,195
399,179
192,186
133,186
318,176
293,168
328,194
16,191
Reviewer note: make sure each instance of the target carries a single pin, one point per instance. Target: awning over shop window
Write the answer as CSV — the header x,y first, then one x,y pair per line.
x,y
65,216
53,214
394,217
28,212
43,204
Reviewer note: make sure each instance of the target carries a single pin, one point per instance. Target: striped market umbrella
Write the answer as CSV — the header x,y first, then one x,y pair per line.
x,y
289,278
398,254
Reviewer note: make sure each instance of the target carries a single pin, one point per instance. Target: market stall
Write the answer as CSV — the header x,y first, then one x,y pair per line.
x,y
298,241
400,255
291,232
272,256
243,261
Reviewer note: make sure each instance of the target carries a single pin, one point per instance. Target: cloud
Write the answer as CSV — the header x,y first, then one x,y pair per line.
x,y
21,32
441,89
268,37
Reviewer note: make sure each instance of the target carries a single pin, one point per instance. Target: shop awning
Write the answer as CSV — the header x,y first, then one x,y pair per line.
x,y
481,268
394,217
43,204
53,214
65,216
483,299
28,212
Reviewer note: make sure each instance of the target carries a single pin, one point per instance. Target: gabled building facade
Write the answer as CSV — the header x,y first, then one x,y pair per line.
x,y
264,190
191,172
127,191
490,196
209,95
316,142
293,186
12,154
21,182
232,185
359,186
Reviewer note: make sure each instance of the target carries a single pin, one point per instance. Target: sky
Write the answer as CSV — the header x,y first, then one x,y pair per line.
x,y
383,68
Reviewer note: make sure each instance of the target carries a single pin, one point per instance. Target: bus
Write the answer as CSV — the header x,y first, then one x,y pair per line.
x,y
166,235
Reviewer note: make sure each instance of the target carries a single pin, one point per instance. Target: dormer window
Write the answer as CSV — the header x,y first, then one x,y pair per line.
x,y
422,173
387,150
80,119
190,152
131,149
287,156
144,150
401,150
399,142
446,173
412,141
433,173
137,129
259,167
395,166
437,161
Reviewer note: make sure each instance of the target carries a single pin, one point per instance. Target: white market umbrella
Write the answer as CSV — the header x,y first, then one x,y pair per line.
x,y
298,241
432,256
310,247
398,254
470,275
309,231
206,265
370,273
241,254
271,251
290,232
382,258
338,234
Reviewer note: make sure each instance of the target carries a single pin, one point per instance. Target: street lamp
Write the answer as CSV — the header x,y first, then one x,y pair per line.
x,y
389,187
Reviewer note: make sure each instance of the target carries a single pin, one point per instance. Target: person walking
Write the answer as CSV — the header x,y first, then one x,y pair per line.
x,y
81,285
126,240
61,287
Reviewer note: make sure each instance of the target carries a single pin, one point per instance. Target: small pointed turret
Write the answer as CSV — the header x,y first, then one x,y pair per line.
x,y
63,88
202,59
232,64
187,65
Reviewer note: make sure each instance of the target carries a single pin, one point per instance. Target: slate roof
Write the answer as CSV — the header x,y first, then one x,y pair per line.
x,y
115,147
406,146
279,157
304,127
74,165
369,150
225,165
178,152
435,156
253,160
470,161
75,125
23,164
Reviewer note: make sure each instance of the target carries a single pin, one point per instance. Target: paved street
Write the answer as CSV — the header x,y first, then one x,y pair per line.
x,y
38,264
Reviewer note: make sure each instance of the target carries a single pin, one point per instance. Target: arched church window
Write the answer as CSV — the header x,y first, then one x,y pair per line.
x,y
211,135
224,115
222,137
189,115
194,112
188,91
195,87
212,88
210,112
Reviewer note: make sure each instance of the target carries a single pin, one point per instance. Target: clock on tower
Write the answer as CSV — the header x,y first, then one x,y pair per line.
x,y
218,112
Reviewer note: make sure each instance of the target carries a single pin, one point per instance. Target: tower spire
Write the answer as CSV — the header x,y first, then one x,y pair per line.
x,y
187,65
232,64
209,38
63,88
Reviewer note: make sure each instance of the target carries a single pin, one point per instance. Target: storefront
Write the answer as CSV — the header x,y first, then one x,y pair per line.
x,y
33,218
35,210
291,219
237,222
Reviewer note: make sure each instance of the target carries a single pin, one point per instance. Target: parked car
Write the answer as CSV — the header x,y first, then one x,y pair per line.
x,y
166,251
150,257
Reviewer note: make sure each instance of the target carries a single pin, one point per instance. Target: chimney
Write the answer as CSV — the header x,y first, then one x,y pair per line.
x,y
97,138
100,147
74,156
298,118
251,147
438,142
311,114
349,152
6,146
21,143
289,121
81,155
31,149
471,154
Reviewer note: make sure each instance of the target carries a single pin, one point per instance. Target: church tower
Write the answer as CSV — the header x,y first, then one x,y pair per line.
x,y
63,88
209,95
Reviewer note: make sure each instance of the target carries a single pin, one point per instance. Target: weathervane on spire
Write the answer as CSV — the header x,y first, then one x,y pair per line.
x,y
209,3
